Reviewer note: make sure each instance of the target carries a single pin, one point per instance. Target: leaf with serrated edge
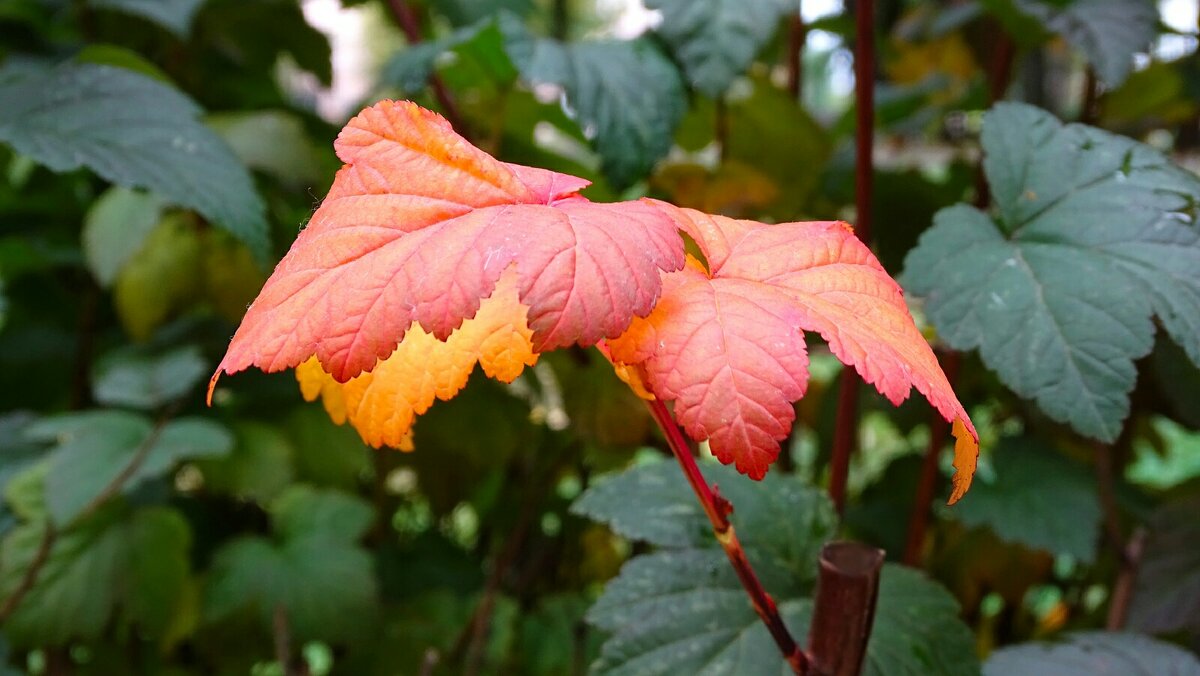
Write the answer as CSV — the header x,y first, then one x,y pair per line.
x,y
383,403
1058,293
419,226
726,344
1093,653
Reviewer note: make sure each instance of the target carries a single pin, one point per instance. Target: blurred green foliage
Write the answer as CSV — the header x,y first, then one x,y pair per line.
x,y
157,157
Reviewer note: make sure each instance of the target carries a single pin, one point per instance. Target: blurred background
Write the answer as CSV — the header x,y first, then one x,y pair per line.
x,y
157,157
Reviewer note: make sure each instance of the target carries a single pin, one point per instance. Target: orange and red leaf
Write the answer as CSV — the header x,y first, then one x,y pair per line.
x,y
419,226
726,344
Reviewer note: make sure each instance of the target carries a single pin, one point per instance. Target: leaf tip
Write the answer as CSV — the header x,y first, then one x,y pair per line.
x,y
966,453
212,385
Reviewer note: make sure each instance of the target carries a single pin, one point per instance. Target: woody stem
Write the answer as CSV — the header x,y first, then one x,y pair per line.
x,y
718,509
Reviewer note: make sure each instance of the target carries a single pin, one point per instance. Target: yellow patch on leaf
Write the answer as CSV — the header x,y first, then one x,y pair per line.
x,y
382,404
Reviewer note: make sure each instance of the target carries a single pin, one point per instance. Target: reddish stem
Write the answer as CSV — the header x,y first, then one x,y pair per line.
x,y
845,437
797,33
844,609
718,509
407,20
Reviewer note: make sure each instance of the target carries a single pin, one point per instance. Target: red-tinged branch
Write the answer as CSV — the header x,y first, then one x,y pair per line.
x,y
718,509
844,609
845,439
1118,608
797,34
407,20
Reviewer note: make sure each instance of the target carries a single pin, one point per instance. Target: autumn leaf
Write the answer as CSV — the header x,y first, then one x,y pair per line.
x,y
383,403
726,341
419,226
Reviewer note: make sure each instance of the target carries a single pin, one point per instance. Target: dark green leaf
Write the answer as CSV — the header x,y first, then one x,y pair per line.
x,y
1167,596
326,454
313,570
409,69
115,229
138,563
682,609
1093,240
174,15
134,131
1108,32
716,40
1038,499
1094,653
258,468
99,452
626,96
148,382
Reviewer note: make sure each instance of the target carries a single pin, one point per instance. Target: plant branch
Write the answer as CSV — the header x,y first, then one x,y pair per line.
x,y
797,33
718,509
1118,608
845,436
844,609
403,14
29,579
283,644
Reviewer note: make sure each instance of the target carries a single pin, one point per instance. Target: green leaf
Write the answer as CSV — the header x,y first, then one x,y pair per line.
x,y
116,227
1093,239
162,278
626,96
466,12
127,378
1094,653
1108,32
654,503
138,564
326,454
99,451
682,609
136,132
409,69
716,40
259,467
1038,499
1176,463
302,512
312,569
174,15
1167,595
273,142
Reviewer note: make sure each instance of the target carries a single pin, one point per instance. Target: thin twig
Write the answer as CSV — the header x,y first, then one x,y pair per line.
x,y
29,579
718,509
402,13
1122,594
471,642
1105,486
797,33
845,437
1088,106
283,644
